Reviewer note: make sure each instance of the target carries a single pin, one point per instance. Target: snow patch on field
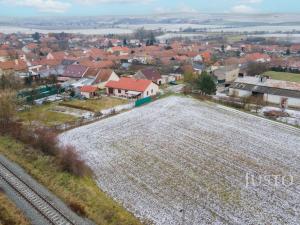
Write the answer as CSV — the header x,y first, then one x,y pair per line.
x,y
179,153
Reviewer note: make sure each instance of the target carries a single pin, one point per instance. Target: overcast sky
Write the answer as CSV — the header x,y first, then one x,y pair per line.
x,y
141,7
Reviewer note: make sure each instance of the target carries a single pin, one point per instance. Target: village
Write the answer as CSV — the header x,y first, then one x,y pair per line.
x,y
62,67
132,129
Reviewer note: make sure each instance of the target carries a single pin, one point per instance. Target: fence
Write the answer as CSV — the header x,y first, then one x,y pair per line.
x,y
143,101
38,93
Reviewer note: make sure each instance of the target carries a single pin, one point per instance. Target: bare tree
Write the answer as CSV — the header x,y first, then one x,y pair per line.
x,y
7,108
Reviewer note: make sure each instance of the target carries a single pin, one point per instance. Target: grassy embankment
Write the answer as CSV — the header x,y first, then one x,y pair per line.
x,y
9,213
293,77
73,190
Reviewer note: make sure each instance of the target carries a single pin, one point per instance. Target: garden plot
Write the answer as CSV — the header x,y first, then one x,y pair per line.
x,y
181,159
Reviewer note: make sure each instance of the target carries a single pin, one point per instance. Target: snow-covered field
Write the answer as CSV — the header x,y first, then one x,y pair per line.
x,y
179,153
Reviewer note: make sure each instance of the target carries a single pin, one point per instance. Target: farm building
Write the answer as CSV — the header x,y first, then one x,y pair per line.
x,y
132,88
226,75
271,91
89,91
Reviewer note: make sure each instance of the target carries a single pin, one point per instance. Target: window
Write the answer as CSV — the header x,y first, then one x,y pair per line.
x,y
151,91
119,91
147,93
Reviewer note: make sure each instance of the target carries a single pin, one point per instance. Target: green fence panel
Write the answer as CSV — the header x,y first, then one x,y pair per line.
x,y
143,101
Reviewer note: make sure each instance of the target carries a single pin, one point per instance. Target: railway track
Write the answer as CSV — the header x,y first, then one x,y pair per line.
x,y
43,206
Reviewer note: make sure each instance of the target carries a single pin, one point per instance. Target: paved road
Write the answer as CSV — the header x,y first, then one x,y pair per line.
x,y
37,203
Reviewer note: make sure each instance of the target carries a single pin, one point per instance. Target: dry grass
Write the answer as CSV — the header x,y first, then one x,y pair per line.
x,y
9,213
81,192
45,116
96,105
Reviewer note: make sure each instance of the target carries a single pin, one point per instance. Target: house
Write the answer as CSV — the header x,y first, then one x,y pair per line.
x,y
13,65
198,58
56,55
258,57
149,74
132,88
119,50
198,67
101,76
4,55
75,71
269,90
226,74
89,91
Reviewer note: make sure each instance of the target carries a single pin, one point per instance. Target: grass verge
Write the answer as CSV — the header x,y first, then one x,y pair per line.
x,y
9,213
78,192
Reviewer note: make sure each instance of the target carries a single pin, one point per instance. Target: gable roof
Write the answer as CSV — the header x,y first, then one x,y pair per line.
x,y
151,74
92,72
58,55
88,88
17,65
130,84
104,75
75,71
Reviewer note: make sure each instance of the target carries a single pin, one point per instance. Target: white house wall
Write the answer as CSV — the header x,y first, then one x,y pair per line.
x,y
153,87
239,93
275,99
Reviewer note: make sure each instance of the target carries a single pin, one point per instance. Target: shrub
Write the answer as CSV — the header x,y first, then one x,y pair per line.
x,y
71,162
78,208
46,141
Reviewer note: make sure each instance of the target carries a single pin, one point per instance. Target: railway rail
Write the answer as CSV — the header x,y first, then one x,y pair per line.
x,y
42,205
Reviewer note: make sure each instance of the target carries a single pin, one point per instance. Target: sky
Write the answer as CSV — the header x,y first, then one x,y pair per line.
x,y
25,8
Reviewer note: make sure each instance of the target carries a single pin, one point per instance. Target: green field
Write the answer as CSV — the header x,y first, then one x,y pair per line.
x,y
44,115
95,105
283,76
71,189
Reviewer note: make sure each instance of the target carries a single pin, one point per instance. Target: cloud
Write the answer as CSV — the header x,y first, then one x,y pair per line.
x,y
53,6
243,9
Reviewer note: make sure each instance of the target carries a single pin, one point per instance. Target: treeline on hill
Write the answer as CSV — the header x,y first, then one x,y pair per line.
x,y
42,139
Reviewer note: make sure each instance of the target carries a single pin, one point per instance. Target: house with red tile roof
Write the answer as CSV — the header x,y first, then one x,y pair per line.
x,y
96,53
132,88
89,91
4,55
56,55
106,64
14,65
119,50
258,57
